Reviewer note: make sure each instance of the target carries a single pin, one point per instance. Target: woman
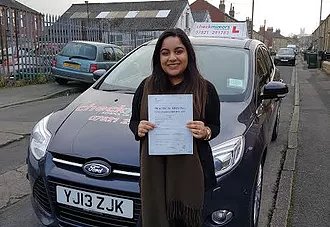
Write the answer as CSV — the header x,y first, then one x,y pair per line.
x,y
172,187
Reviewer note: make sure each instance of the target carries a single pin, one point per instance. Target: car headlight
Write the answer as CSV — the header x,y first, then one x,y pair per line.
x,y
227,155
40,138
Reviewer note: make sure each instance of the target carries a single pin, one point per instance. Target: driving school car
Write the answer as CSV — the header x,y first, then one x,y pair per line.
x,y
83,160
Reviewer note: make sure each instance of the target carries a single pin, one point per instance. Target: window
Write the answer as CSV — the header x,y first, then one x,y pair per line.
x,y
262,75
108,54
131,14
163,13
81,50
268,61
119,53
228,73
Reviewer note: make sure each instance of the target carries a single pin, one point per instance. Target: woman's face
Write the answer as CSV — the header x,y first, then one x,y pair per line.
x,y
173,57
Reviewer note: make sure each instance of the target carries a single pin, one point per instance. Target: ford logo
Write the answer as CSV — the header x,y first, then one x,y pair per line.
x,y
97,168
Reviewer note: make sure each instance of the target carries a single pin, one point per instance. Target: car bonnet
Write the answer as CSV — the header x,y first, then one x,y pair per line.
x,y
95,125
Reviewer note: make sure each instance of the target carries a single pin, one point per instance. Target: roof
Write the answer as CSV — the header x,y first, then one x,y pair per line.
x,y
94,43
200,16
215,13
278,36
16,5
152,15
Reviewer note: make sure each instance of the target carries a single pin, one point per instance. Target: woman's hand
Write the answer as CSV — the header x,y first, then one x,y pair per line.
x,y
144,127
198,129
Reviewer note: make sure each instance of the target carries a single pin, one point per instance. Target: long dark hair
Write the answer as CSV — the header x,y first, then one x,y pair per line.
x,y
194,83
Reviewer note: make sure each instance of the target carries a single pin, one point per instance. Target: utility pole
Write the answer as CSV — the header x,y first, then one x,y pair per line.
x,y
320,25
87,9
87,25
321,12
264,31
252,19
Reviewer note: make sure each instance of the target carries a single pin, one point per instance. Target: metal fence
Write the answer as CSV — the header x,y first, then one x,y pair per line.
x,y
29,42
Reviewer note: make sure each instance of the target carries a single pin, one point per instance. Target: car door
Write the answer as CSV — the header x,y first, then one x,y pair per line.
x,y
273,103
262,77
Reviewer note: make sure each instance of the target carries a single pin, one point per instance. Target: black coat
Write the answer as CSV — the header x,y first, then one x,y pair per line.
x,y
212,120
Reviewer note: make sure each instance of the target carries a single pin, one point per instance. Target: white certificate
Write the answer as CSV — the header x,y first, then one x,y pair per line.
x,y
170,114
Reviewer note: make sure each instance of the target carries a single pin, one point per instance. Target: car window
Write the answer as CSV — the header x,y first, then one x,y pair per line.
x,y
109,54
262,74
288,51
119,53
83,50
268,60
227,68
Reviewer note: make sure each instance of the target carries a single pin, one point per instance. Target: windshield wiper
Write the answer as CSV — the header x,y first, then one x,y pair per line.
x,y
81,57
123,90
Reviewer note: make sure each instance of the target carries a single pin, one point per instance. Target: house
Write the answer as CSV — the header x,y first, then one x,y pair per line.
x,y
17,23
19,28
273,40
279,41
129,23
216,14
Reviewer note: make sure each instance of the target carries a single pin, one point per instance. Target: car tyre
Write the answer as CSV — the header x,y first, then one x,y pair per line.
x,y
276,126
256,197
61,81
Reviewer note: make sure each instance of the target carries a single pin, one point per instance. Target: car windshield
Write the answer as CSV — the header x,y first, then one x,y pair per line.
x,y
288,51
227,68
79,50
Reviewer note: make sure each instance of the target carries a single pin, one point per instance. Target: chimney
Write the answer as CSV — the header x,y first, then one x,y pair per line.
x,y
262,29
278,31
222,6
270,29
232,11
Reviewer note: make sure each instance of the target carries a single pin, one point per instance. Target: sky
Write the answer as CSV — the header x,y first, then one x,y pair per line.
x,y
287,15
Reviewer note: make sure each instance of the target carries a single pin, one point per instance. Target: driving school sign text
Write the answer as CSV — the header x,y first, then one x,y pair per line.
x,y
220,30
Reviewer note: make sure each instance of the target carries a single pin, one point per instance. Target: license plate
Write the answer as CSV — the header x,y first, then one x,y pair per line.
x,y
95,202
284,60
69,65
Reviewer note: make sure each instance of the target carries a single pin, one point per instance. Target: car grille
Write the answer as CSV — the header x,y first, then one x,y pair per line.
x,y
69,215
40,195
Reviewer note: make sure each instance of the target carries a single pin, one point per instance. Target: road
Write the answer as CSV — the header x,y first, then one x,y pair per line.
x,y
13,155
20,212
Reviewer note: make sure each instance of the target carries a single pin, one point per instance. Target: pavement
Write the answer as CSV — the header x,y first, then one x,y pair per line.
x,y
285,212
13,184
303,192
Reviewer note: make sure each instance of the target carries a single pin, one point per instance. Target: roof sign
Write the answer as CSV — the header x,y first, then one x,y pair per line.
x,y
163,13
220,30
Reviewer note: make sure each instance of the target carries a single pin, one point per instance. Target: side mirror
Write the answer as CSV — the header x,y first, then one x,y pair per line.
x,y
274,89
98,73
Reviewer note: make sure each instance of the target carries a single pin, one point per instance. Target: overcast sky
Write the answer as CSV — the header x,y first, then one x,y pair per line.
x,y
287,15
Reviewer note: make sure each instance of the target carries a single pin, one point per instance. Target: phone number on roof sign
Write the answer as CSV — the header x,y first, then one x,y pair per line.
x,y
206,32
